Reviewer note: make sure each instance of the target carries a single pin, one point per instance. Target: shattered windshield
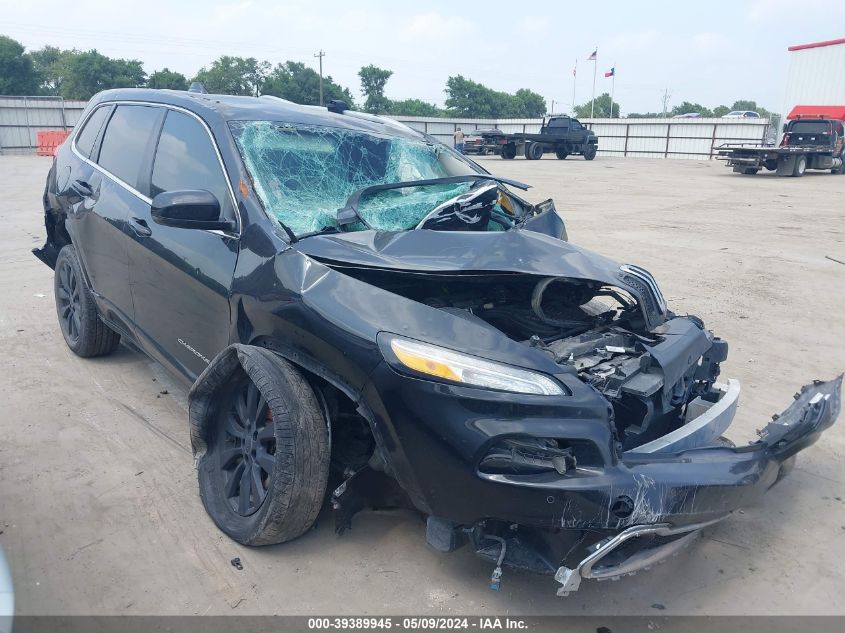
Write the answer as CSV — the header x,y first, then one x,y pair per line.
x,y
304,173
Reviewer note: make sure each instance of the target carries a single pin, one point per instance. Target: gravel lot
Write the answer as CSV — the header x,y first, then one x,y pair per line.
x,y
99,511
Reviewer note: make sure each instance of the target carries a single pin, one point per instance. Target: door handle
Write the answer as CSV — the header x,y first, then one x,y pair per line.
x,y
140,226
82,188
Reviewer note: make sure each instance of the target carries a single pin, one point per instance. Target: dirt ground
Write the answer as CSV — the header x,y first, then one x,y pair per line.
x,y
99,511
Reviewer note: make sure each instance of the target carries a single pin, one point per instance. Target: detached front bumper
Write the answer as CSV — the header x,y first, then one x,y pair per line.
x,y
679,493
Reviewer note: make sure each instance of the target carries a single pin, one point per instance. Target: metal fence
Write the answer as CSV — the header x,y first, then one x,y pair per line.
x,y
645,138
22,117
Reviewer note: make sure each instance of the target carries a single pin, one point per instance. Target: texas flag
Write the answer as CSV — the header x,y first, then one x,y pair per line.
x,y
610,72
592,57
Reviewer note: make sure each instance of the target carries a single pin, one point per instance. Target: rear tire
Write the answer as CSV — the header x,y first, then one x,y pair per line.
x,y
508,151
533,151
590,152
84,332
561,154
263,478
800,166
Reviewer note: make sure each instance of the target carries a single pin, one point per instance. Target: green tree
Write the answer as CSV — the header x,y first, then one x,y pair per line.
x,y
167,79
601,110
469,98
49,63
234,76
686,108
297,82
89,72
373,80
527,105
721,110
472,99
17,72
415,107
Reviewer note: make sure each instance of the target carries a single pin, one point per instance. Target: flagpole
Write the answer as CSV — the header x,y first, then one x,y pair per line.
x,y
574,78
595,66
612,89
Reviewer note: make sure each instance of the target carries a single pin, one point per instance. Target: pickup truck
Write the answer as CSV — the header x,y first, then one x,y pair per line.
x,y
560,134
813,138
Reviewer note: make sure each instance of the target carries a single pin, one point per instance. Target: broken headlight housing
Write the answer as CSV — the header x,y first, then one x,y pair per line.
x,y
448,365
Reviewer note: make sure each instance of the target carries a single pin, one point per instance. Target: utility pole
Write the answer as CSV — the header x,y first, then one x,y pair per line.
x,y
321,54
574,77
595,65
666,96
553,107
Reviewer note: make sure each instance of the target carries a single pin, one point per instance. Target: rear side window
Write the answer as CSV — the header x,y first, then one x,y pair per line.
x,y
186,159
88,134
125,142
559,123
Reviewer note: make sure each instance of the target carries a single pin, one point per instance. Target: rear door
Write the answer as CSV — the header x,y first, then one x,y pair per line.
x,y
181,278
110,196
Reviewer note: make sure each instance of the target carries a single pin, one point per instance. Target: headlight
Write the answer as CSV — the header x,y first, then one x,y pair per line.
x,y
449,365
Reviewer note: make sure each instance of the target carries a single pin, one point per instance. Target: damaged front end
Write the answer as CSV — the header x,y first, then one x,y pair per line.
x,y
534,399
676,493
620,468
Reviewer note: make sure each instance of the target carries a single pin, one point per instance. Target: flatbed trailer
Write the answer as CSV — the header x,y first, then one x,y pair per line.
x,y
786,161
814,138
560,134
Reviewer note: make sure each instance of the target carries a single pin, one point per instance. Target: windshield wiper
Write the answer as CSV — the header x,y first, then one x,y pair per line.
x,y
349,213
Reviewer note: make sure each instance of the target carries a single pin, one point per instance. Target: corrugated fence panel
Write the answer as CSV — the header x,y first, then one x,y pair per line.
x,y
22,117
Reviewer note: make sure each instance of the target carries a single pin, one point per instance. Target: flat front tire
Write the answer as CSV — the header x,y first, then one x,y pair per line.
x,y
263,477
83,330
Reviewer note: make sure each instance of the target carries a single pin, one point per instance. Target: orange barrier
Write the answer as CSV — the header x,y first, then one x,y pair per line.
x,y
49,141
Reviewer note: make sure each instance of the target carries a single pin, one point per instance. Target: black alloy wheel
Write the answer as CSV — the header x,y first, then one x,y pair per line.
x,y
69,304
249,451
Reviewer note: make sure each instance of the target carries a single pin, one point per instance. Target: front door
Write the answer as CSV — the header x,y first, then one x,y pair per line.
x,y
181,278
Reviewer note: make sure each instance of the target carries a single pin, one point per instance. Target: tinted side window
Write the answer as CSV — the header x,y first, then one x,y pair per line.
x,y
186,159
559,123
576,125
88,134
127,135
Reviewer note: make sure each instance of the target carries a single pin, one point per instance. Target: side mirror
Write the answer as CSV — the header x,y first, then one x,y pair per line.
x,y
189,209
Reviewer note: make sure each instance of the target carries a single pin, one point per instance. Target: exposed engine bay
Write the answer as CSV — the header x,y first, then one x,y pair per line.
x,y
649,374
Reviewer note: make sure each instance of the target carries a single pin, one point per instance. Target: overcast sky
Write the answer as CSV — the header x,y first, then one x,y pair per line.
x,y
712,52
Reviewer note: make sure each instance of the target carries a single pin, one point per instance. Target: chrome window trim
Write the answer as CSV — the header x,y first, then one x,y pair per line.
x,y
137,193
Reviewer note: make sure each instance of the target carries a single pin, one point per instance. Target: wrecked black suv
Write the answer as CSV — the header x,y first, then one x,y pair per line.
x,y
367,315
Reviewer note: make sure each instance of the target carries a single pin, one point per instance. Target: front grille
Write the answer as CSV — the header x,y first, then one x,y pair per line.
x,y
643,282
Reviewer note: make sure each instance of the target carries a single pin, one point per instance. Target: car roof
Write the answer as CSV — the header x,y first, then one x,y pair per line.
x,y
223,108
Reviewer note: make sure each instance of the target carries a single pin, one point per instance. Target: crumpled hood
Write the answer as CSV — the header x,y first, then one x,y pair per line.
x,y
517,251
